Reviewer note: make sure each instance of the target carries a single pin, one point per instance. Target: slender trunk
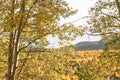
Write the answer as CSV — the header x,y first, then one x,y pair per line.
x,y
18,33
10,56
16,55
14,40
118,6
11,43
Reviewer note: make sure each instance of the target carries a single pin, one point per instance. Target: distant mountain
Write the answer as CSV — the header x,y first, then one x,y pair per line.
x,y
87,45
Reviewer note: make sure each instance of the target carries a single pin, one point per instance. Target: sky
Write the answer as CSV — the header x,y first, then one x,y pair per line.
x,y
83,6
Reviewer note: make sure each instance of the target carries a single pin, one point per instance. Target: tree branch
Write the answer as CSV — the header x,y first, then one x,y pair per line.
x,y
1,32
97,34
47,34
111,16
22,66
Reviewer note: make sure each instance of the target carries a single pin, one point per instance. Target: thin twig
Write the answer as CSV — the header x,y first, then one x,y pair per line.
x,y
111,16
97,34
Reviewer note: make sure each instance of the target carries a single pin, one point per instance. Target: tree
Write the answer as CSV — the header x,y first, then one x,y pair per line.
x,y
25,23
104,20
50,65
90,70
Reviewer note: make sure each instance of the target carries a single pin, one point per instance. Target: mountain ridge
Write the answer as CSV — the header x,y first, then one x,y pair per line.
x,y
90,45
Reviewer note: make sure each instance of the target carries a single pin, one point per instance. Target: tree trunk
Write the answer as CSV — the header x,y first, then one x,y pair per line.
x,y
14,41
11,43
10,56
118,6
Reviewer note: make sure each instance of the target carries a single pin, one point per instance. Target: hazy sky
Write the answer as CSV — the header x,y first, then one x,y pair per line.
x,y
83,6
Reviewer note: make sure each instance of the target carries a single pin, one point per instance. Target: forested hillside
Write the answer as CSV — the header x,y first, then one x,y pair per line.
x,y
94,45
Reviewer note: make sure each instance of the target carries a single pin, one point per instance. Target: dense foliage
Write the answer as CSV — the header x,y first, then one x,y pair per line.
x,y
25,25
105,21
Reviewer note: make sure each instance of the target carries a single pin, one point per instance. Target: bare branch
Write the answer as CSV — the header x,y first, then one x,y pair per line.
x,y
28,14
111,16
98,34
